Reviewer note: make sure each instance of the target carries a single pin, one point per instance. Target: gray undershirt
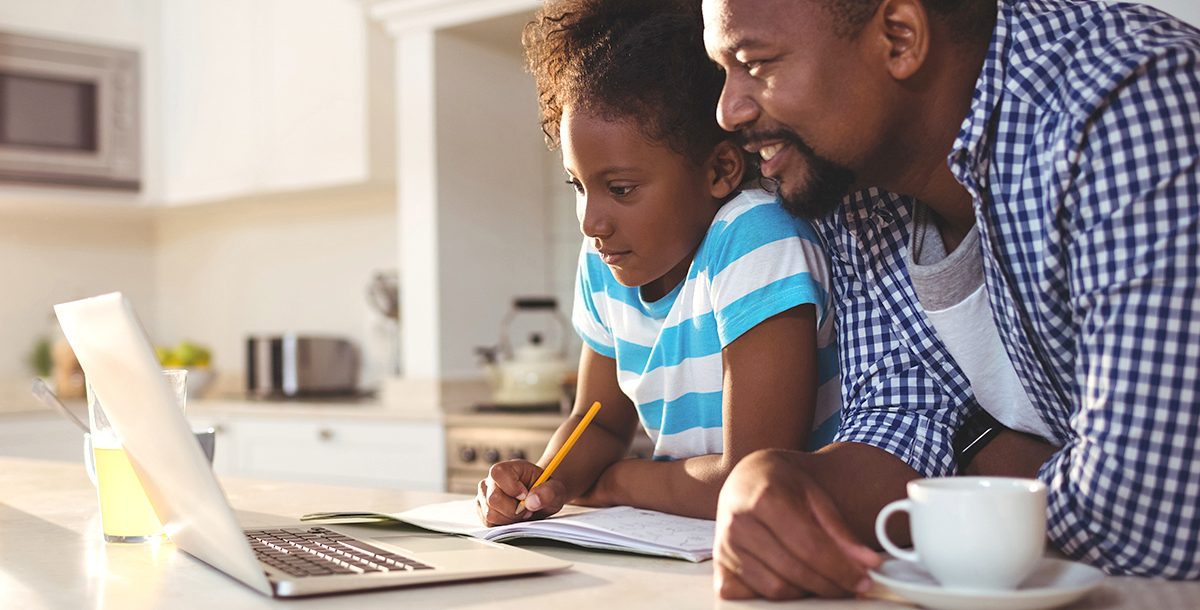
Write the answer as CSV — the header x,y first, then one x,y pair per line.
x,y
942,280
951,289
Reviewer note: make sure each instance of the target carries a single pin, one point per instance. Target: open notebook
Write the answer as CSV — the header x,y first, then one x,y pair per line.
x,y
619,528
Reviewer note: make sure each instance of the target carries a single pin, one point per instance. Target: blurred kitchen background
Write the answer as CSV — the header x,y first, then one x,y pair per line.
x,y
363,174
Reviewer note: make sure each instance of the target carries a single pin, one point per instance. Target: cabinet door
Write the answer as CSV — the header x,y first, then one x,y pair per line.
x,y
406,455
42,437
261,95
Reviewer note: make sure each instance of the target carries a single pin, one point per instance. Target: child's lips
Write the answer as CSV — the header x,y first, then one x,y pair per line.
x,y
613,257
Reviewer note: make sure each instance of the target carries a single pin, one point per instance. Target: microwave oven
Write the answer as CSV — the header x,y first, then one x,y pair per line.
x,y
69,113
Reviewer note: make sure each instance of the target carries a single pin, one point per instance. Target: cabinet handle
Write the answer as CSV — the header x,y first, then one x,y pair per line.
x,y
325,434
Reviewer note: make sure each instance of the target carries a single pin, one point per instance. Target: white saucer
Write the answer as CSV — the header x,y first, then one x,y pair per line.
x,y
1055,582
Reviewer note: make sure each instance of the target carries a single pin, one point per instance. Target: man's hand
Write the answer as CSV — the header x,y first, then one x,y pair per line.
x,y
781,533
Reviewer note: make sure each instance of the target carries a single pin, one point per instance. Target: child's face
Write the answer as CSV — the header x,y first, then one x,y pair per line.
x,y
645,207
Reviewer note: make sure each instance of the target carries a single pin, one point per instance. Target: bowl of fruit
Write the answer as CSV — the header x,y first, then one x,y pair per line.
x,y
196,358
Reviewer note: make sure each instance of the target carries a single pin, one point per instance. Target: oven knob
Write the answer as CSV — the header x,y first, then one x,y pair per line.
x,y
516,454
491,456
467,454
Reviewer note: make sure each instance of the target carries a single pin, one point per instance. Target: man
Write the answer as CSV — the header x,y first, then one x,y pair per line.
x,y
1032,291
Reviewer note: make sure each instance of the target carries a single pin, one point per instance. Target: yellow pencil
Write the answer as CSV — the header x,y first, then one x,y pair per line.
x,y
562,451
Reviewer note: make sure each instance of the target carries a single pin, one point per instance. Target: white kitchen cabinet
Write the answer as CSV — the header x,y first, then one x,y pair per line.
x,y
258,96
240,98
321,449
41,435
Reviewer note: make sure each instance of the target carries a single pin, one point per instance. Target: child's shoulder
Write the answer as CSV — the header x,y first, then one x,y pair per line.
x,y
755,214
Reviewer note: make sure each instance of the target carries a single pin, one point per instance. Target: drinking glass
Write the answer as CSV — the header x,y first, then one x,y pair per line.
x,y
125,511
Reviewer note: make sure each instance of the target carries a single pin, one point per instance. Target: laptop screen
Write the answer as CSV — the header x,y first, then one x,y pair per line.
x,y
119,362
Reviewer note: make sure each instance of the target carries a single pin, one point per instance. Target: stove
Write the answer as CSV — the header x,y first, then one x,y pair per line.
x,y
479,437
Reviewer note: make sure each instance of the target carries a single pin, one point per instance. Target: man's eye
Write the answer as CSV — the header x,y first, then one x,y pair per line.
x,y
754,66
575,185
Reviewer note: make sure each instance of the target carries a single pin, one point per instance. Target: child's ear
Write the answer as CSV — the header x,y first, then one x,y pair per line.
x,y
726,166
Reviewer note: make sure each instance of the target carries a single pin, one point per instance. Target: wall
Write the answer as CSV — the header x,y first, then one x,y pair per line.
x,y
1187,10
495,226
299,262
50,258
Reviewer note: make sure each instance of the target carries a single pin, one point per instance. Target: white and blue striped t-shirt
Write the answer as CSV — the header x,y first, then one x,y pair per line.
x,y
756,261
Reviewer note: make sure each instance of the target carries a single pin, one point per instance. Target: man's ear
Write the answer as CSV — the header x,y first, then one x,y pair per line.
x,y
726,166
903,28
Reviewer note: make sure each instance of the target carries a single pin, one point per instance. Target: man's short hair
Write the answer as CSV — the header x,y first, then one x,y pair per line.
x,y
969,20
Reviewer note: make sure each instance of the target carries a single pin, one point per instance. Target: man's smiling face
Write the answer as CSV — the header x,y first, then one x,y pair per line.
x,y
799,93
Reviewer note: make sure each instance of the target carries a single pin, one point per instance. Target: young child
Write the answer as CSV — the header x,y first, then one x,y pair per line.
x,y
704,311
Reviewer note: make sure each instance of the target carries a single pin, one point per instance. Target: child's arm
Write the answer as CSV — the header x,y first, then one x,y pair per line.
x,y
769,396
605,441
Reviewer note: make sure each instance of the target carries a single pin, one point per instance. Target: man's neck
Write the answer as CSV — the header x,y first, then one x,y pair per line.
x,y
941,100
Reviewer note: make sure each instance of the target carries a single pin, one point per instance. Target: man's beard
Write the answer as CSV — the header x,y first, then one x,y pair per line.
x,y
816,194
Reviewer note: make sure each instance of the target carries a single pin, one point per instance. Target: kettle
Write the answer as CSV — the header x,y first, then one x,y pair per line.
x,y
531,374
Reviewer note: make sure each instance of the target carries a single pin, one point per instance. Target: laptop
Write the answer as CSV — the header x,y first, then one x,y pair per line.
x,y
285,561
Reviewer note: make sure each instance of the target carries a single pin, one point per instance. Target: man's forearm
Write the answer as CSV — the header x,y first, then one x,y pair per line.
x,y
1011,454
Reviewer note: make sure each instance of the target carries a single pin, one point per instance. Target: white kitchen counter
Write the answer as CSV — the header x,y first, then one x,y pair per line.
x,y
54,557
366,409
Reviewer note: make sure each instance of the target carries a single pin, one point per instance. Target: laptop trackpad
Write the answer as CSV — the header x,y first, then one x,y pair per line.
x,y
424,543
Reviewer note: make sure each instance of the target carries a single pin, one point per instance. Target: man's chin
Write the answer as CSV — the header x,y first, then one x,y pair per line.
x,y
810,204
818,193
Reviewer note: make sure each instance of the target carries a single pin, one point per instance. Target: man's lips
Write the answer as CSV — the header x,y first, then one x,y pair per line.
x,y
768,151
773,155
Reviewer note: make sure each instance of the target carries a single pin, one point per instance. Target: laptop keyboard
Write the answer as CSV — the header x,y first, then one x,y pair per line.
x,y
317,551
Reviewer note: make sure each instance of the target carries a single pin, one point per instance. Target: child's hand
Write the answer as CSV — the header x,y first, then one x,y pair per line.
x,y
507,484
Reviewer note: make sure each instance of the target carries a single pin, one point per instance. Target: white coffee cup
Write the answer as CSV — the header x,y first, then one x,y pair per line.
x,y
985,533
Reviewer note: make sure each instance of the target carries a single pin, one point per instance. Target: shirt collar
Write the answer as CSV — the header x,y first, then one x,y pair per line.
x,y
968,156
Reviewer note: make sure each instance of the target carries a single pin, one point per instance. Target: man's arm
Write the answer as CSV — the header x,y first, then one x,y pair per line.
x,y
1011,454
1124,490
792,524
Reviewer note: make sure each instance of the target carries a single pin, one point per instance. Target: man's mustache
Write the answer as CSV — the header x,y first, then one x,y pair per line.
x,y
746,138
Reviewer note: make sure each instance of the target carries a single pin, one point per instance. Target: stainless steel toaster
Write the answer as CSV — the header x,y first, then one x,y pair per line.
x,y
290,365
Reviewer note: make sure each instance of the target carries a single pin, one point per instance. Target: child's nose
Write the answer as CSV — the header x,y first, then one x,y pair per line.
x,y
593,219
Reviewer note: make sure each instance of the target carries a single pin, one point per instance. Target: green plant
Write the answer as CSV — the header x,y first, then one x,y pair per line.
x,y
39,358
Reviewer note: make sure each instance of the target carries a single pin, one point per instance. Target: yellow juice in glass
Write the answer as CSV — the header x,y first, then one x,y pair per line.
x,y
124,509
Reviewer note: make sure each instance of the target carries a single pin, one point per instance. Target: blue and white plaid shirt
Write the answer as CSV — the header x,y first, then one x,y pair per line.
x,y
1082,154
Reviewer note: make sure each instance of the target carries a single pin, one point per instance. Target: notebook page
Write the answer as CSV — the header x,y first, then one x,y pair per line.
x,y
619,528
628,526
460,517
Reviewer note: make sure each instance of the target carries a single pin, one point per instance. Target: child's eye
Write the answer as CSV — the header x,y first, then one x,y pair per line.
x,y
575,185
621,190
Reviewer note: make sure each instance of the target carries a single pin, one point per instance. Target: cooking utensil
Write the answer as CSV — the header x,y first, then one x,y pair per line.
x,y
383,294
48,398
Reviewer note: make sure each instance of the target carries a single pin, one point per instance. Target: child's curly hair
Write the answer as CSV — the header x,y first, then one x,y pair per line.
x,y
640,60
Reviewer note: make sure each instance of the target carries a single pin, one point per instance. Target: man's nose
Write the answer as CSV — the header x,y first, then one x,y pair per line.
x,y
736,109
